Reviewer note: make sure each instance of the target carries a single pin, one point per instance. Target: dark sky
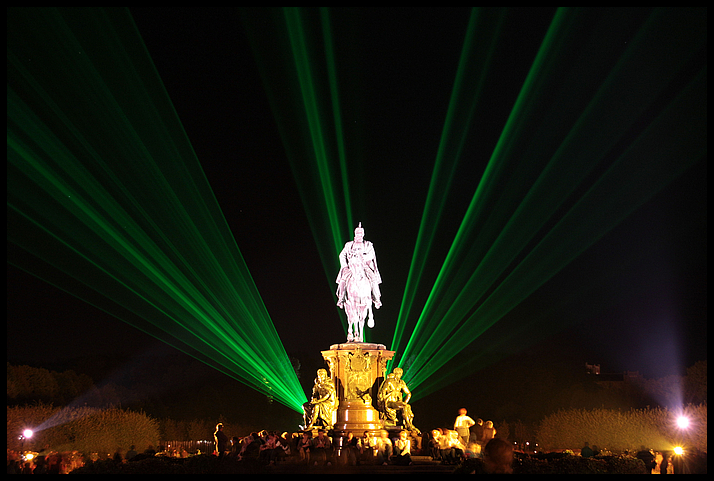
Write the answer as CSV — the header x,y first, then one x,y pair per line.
x,y
399,67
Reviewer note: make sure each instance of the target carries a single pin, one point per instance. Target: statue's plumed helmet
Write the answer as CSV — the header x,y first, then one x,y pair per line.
x,y
359,230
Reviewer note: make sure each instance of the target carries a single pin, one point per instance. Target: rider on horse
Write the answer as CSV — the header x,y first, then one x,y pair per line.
x,y
358,281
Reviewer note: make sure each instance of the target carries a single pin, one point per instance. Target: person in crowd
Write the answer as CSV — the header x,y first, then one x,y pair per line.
x,y
497,458
26,468
456,444
665,467
587,451
476,431
384,448
303,447
473,450
462,425
368,448
55,463
221,440
268,450
402,450
320,451
131,453
40,465
647,457
235,447
489,432
118,458
449,453
283,448
658,462
351,449
250,447
433,445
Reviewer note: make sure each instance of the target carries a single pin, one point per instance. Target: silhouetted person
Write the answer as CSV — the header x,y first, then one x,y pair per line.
x,y
40,465
497,458
477,432
131,453
647,457
235,447
118,458
587,451
221,440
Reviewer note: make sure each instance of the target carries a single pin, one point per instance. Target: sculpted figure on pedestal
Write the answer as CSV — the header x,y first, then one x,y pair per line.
x,y
358,284
320,408
391,403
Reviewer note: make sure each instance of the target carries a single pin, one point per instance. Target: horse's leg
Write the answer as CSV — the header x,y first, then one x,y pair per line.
x,y
350,337
361,330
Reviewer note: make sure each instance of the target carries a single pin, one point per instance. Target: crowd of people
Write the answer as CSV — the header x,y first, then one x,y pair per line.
x,y
472,443
268,447
47,461
468,440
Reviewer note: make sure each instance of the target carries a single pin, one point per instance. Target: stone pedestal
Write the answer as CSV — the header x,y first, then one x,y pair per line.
x,y
357,369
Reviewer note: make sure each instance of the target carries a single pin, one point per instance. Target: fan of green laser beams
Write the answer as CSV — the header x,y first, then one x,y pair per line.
x,y
546,216
107,200
589,90
477,54
310,123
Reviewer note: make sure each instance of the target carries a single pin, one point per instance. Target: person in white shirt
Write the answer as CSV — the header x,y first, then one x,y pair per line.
x,y
384,448
462,424
402,450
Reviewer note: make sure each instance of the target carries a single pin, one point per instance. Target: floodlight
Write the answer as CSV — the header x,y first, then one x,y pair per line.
x,y
683,422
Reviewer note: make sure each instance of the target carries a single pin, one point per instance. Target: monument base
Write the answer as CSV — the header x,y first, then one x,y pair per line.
x,y
357,369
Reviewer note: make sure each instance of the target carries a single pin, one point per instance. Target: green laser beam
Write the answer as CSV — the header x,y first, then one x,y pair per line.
x,y
494,169
583,104
476,57
310,120
452,324
107,199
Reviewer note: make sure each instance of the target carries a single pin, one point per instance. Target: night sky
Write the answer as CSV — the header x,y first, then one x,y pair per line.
x,y
398,66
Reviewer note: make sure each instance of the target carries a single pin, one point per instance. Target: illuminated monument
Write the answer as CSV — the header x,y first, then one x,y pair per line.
x,y
358,284
367,399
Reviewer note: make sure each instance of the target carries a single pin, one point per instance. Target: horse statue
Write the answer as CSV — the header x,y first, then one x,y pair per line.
x,y
358,285
358,305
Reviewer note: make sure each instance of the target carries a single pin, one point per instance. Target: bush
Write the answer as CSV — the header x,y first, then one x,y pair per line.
x,y
619,431
569,464
560,463
87,430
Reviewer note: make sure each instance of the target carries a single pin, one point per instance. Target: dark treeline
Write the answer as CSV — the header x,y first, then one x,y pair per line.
x,y
177,389
168,386
525,389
